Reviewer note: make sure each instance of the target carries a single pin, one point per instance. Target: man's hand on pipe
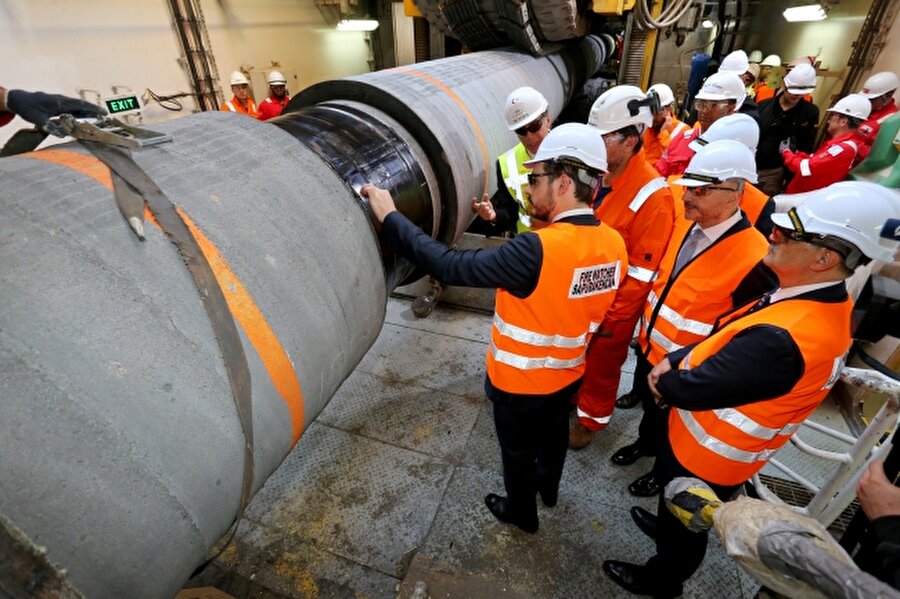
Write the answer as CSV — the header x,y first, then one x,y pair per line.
x,y
380,201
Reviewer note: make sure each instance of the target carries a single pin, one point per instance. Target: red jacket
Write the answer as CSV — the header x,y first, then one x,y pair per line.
x,y
271,107
829,164
675,159
868,131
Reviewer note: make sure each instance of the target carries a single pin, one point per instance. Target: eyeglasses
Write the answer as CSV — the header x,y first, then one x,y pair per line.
x,y
710,104
614,136
705,190
532,127
533,177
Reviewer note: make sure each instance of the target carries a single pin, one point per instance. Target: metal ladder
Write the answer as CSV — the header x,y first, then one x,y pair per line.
x,y
838,492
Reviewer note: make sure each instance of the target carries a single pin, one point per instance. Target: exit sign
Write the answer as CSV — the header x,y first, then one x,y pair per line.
x,y
122,104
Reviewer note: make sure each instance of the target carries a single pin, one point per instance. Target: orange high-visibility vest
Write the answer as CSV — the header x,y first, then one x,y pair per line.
x,y
729,445
538,343
682,310
234,105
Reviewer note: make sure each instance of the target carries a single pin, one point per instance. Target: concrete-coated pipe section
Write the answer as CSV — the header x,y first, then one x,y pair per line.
x,y
120,446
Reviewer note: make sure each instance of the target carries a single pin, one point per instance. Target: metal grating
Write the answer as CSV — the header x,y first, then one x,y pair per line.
x,y
797,495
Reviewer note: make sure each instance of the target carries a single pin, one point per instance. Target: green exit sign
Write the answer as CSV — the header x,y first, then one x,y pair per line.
x,y
122,104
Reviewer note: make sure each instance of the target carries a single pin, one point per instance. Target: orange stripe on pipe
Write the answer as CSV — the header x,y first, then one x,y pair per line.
x,y
240,302
252,320
475,128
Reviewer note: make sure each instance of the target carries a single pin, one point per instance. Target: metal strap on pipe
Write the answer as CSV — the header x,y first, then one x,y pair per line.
x,y
122,165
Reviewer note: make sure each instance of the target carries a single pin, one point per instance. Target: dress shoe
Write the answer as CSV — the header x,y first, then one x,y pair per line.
x,y
499,506
644,520
636,579
628,401
580,437
628,454
645,486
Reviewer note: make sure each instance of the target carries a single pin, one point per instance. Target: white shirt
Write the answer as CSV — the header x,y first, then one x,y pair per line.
x,y
711,234
789,292
572,212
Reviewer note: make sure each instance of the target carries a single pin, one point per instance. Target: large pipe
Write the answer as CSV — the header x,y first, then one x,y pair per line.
x,y
120,446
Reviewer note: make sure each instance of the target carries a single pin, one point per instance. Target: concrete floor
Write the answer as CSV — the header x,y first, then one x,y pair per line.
x,y
386,487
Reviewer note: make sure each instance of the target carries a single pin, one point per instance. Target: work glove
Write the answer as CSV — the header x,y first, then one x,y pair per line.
x,y
38,108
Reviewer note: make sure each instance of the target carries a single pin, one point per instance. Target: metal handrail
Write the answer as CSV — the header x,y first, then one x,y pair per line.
x,y
838,492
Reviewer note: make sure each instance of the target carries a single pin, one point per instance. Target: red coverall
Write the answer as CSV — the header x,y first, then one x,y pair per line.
x,y
868,131
645,222
828,164
272,107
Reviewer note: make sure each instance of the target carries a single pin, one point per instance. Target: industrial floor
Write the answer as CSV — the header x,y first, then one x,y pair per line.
x,y
385,490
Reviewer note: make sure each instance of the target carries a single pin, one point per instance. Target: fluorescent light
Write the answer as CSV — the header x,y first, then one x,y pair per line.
x,y
707,24
809,12
357,25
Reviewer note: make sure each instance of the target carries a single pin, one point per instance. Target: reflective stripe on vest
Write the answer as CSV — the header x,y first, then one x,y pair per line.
x,y
804,167
526,363
515,178
231,106
532,338
720,447
682,323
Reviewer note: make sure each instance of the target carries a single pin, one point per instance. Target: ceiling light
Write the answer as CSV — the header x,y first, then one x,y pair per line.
x,y
809,12
707,24
357,25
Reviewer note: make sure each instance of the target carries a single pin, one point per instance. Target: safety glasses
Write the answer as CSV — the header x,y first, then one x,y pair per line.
x,y
711,104
532,127
533,177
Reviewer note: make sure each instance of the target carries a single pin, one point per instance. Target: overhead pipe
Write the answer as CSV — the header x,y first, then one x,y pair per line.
x,y
120,445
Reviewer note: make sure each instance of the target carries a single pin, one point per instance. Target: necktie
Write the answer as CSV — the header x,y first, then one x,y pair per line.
x,y
687,250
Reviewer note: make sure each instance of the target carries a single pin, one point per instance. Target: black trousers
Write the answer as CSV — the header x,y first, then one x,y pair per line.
x,y
533,431
679,552
652,429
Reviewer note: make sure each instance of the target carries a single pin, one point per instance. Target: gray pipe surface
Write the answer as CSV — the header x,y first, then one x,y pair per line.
x,y
120,446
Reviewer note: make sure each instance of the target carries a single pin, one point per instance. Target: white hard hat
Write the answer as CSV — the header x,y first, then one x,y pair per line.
x,y
573,142
723,86
664,92
524,105
737,126
719,160
801,80
853,105
755,57
879,84
238,78
736,62
619,107
860,213
772,60
276,78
